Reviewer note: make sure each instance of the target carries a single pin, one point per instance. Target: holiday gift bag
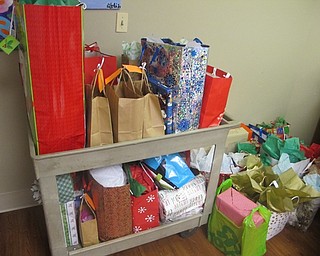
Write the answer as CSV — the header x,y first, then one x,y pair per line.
x,y
98,116
215,97
94,57
231,239
111,197
181,68
51,64
145,202
135,111
88,228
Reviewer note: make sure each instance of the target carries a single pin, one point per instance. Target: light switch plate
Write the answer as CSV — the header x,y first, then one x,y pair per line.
x,y
122,22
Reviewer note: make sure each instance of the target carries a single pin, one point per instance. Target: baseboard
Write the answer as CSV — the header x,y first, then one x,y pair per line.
x,y
16,200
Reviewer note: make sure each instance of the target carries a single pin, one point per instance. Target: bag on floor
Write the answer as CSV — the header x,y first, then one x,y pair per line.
x,y
231,239
215,97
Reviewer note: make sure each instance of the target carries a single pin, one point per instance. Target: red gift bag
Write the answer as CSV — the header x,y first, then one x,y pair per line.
x,y
145,208
51,64
93,58
215,96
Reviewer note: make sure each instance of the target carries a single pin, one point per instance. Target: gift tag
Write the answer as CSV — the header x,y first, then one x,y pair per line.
x,y
9,44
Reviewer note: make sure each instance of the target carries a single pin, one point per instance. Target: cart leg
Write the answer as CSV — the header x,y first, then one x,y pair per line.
x,y
49,195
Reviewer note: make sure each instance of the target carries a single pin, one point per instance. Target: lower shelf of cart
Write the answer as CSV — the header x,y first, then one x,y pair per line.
x,y
133,240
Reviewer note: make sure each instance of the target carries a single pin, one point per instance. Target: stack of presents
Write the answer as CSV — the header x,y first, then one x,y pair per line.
x,y
77,97
268,180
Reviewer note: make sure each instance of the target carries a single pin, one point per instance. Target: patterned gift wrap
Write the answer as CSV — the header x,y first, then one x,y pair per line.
x,y
181,69
69,223
277,223
65,188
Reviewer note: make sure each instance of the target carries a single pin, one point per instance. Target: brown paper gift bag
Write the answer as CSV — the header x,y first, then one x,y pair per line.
x,y
88,227
135,110
99,126
153,124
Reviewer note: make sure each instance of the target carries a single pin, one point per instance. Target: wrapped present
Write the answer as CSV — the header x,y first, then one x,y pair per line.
x,y
236,207
65,188
69,223
278,127
180,69
183,202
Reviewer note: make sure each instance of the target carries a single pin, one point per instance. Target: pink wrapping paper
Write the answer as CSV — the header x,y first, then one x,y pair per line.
x,y
236,207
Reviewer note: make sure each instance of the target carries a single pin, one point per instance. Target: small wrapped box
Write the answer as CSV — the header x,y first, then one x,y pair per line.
x,y
236,207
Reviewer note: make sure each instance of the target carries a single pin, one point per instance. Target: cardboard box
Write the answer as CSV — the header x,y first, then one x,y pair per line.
x,y
236,207
235,136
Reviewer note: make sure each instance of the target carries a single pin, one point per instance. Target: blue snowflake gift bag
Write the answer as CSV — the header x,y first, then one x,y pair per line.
x,y
181,69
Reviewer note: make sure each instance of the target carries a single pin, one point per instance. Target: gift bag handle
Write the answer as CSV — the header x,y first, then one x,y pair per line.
x,y
113,76
139,70
127,69
118,73
264,212
224,186
98,76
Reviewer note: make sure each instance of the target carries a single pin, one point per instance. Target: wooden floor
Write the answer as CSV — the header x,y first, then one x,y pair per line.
x,y
23,233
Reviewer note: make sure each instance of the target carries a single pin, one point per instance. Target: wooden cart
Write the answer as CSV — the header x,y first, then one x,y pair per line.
x,y
48,166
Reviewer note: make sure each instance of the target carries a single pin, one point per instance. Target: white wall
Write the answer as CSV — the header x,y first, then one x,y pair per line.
x,y
16,170
270,47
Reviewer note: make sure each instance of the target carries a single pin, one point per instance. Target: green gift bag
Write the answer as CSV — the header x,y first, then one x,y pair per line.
x,y
234,240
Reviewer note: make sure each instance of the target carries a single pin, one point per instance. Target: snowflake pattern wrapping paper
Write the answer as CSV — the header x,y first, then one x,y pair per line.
x,y
182,69
145,211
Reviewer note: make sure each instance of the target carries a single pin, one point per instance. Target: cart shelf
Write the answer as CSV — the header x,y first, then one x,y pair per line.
x,y
48,166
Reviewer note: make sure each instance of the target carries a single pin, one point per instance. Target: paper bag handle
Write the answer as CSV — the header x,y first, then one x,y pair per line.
x,y
130,69
113,76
